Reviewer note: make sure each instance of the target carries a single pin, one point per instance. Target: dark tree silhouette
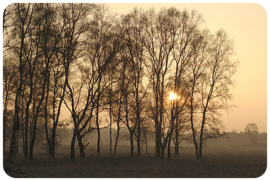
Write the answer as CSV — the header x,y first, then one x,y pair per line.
x,y
93,62
23,14
252,131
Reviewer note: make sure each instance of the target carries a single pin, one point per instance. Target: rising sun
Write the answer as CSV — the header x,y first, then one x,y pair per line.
x,y
173,96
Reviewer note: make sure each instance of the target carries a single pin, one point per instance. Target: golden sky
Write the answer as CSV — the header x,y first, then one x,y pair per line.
x,y
247,25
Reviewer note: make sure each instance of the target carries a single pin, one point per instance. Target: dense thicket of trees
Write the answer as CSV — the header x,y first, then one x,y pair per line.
x,y
148,71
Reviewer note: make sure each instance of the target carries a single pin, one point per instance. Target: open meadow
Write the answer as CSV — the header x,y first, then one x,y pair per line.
x,y
224,162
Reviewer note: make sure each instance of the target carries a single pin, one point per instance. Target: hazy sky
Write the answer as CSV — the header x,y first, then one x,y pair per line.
x,y
246,24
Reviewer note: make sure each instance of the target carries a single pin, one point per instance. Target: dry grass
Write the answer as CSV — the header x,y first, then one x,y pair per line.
x,y
217,162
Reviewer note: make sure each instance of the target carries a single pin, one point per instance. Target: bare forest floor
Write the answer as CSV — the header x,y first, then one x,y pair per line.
x,y
243,161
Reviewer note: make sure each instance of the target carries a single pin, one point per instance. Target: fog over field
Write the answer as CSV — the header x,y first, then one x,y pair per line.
x,y
233,156
151,91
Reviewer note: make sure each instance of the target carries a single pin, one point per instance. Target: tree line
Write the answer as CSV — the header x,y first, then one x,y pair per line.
x,y
146,70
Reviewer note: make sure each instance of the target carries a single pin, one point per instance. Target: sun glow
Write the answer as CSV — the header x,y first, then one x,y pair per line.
x,y
173,96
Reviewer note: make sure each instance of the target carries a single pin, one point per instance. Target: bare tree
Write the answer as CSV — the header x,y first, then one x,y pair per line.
x,y
52,32
93,62
105,37
97,44
160,42
185,25
125,91
9,70
135,32
117,113
72,49
252,131
23,15
213,91
10,74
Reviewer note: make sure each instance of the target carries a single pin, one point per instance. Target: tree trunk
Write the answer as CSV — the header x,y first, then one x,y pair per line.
x,y
6,88
131,144
79,139
157,150
110,122
18,94
12,144
52,154
116,139
146,146
47,136
22,133
111,114
176,109
110,137
169,147
176,137
162,152
171,131
201,140
130,131
17,142
161,116
97,124
46,77
46,120
32,123
33,140
159,141
55,121
26,133
72,147
118,124
4,135
191,121
98,141
13,141
22,123
138,121
139,138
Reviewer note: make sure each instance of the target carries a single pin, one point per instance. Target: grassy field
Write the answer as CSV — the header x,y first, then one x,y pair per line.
x,y
234,162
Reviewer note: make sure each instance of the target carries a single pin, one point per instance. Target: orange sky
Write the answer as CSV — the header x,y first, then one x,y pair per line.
x,y
246,24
